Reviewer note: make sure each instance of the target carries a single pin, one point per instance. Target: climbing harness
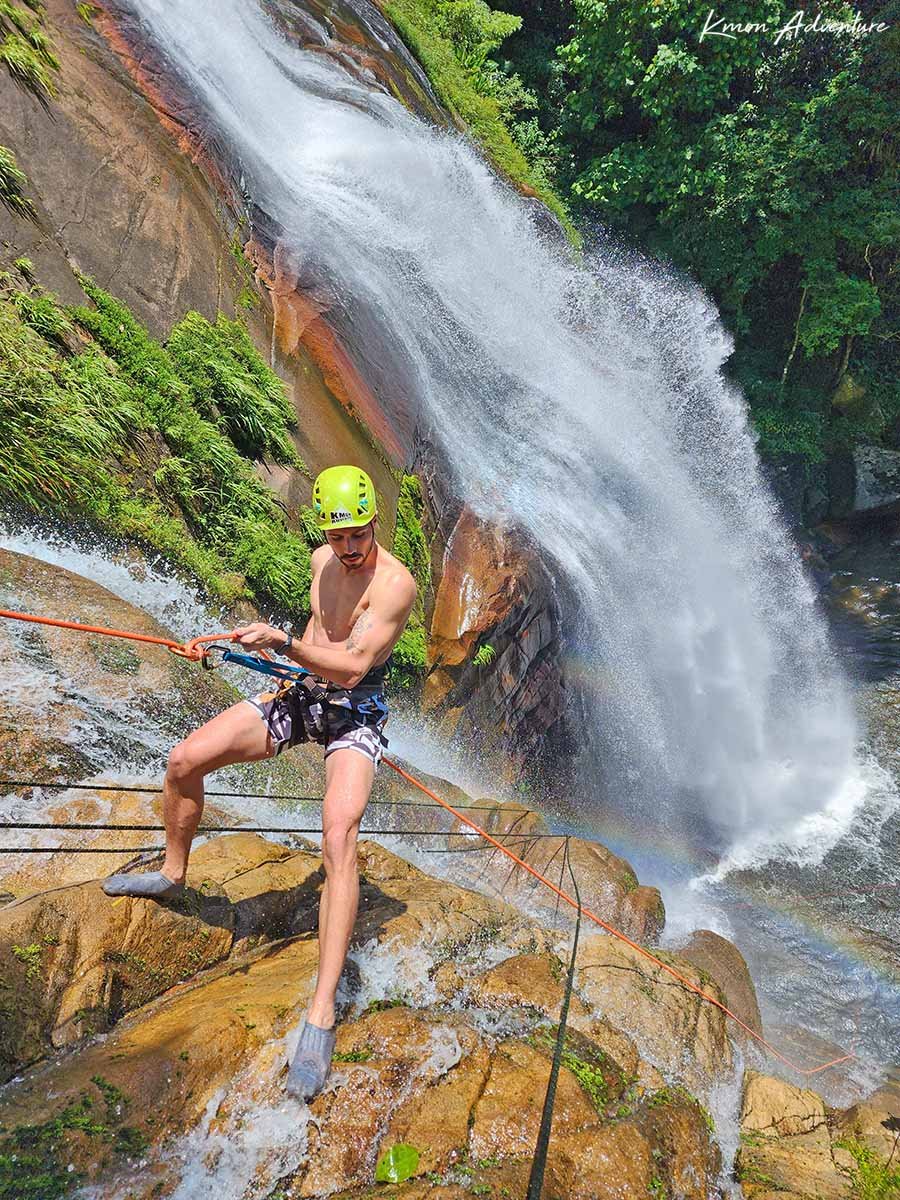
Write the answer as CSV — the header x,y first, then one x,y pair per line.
x,y
197,649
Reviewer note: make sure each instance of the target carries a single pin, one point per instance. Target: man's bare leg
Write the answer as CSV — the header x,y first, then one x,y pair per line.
x,y
236,735
348,784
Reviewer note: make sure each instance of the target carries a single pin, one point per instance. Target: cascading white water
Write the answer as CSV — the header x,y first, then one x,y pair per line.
x,y
583,401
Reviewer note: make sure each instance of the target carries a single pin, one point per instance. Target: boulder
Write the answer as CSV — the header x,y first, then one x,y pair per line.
x,y
75,960
877,477
493,591
422,1073
536,983
482,568
773,1107
803,1165
29,874
852,398
869,1122
272,890
607,884
672,1026
533,981
432,920
65,693
164,1064
723,962
207,1056
785,1142
507,1115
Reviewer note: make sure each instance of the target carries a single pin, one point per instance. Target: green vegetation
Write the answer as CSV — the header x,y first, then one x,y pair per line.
x,y
87,12
454,41
375,1006
589,1076
484,655
13,184
352,1056
231,386
397,1164
598,1076
410,654
25,49
138,440
309,527
765,166
35,1159
30,957
873,1177
248,297
748,1173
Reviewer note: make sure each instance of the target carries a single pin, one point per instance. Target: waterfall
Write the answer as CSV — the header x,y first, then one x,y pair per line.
x,y
581,400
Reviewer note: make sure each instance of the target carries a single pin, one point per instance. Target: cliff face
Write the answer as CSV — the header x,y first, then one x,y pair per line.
x,y
124,192
495,593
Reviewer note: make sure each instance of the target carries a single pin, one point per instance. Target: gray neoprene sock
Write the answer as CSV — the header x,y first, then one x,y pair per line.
x,y
309,1070
153,884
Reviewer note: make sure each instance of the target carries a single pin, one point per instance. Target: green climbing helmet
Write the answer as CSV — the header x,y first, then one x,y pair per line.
x,y
343,498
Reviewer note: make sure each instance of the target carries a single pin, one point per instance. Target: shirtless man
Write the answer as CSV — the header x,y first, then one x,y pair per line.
x,y
361,598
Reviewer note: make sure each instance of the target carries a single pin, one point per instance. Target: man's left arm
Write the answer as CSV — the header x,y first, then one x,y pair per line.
x,y
376,631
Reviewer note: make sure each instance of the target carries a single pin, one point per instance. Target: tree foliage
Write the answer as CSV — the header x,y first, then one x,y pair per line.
x,y
765,163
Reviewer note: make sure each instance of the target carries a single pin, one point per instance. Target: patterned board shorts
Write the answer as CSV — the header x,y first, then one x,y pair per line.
x,y
354,720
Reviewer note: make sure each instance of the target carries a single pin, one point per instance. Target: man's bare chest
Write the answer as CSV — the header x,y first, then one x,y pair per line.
x,y
336,610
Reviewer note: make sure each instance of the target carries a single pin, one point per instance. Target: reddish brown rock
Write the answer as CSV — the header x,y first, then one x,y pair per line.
x,y
724,963
482,569
655,1009
494,592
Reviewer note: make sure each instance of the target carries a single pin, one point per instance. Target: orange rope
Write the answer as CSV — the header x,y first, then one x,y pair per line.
x,y
618,933
189,649
193,650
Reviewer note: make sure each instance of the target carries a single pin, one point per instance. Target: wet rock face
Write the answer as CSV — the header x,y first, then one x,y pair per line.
x,y
722,960
877,477
457,1066
645,1002
358,37
114,194
494,592
128,190
786,1144
77,961
73,703
607,885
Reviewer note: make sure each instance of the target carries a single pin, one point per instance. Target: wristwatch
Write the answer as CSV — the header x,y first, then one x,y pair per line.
x,y
283,649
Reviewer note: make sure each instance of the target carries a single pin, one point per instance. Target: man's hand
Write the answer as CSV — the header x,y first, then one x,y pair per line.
x,y
259,636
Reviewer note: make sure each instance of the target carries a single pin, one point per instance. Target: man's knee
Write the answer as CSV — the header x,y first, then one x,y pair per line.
x,y
339,847
184,762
